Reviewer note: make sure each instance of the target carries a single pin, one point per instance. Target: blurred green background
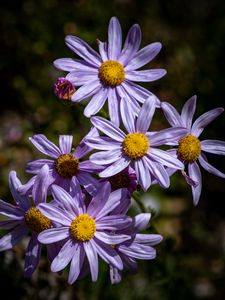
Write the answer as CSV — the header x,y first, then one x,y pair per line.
x,y
191,259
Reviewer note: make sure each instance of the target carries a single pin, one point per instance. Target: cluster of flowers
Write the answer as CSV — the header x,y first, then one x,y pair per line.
x,y
79,208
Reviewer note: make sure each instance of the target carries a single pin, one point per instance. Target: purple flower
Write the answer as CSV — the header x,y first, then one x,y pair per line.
x,y
64,89
190,148
65,165
85,231
25,216
138,247
136,148
111,73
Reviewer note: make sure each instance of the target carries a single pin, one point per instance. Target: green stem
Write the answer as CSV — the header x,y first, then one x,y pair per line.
x,y
139,202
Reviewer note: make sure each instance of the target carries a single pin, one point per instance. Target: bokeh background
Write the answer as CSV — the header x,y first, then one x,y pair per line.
x,y
191,259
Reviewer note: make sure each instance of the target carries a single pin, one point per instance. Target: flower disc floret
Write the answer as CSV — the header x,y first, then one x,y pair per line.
x,y
135,145
64,89
83,228
67,165
189,148
111,73
36,221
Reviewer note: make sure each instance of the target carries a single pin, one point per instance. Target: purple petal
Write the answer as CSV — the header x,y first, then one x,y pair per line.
x,y
82,49
108,254
114,39
70,64
165,158
92,256
64,256
96,103
138,251
103,50
80,77
55,214
111,239
150,239
141,221
102,143
13,238
90,183
213,146
113,106
115,275
106,157
145,75
11,211
65,143
32,256
76,264
108,128
89,167
53,235
145,116
116,167
209,167
144,56
142,173
41,184
127,115
87,90
113,223
195,174
168,136
82,149
133,104
131,45
35,166
204,120
9,224
171,114
45,146
188,112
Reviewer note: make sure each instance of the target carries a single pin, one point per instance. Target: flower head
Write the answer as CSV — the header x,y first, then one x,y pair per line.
x,y
189,147
135,148
111,73
64,89
85,231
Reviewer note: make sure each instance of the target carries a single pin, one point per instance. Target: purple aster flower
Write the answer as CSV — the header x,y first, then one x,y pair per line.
x,y
64,89
65,165
85,231
25,216
138,247
190,148
112,73
136,148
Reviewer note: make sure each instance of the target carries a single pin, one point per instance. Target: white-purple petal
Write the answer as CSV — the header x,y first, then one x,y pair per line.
x,y
142,173
188,111
209,167
213,146
146,114
114,39
65,143
168,136
55,214
195,174
76,264
53,235
34,166
145,75
165,158
113,106
96,103
116,167
45,146
32,256
13,238
141,221
106,157
92,257
171,115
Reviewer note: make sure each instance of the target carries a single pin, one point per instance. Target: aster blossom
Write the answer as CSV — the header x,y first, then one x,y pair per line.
x,y
111,73
25,217
136,147
65,165
189,148
85,231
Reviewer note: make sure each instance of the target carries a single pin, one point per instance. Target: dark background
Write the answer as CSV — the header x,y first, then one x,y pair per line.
x,y
191,259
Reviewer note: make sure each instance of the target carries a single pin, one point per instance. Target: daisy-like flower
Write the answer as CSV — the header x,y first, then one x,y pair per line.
x,y
138,247
189,148
65,165
64,89
85,231
136,147
112,73
24,217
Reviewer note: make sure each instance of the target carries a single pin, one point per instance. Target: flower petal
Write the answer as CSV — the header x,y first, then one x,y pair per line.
x,y
14,185
116,167
113,106
90,183
96,103
188,111
142,173
32,256
114,39
76,264
11,211
165,158
41,184
113,222
13,238
213,146
141,221
70,65
168,136
195,174
87,90
45,146
145,75
102,143
65,143
64,256
112,239
146,114
171,114
103,50
209,167
92,256
127,115
34,166
106,157
150,239
53,235
54,213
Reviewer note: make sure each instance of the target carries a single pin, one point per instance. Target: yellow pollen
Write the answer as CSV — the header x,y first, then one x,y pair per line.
x,y
36,221
83,228
135,145
189,148
67,165
111,73
120,180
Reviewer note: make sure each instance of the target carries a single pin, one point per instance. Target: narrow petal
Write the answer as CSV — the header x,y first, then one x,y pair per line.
x,y
165,158
195,174
111,239
45,146
171,114
80,77
168,136
9,224
64,256
53,235
87,90
113,223
146,114
144,56
115,275
213,146
76,264
142,173
116,167
108,128
96,103
34,166
90,183
204,120
113,106
11,211
127,116
133,105
188,111
70,64
92,256
14,185
150,239
32,256
141,221
209,167
114,39
103,50
138,251
82,49
41,184
65,143
102,143
89,167
106,157
131,45
55,214
145,75
13,238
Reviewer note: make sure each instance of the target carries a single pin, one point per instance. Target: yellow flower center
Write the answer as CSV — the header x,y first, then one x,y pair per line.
x,y
189,148
36,221
120,180
111,73
67,165
135,145
83,228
